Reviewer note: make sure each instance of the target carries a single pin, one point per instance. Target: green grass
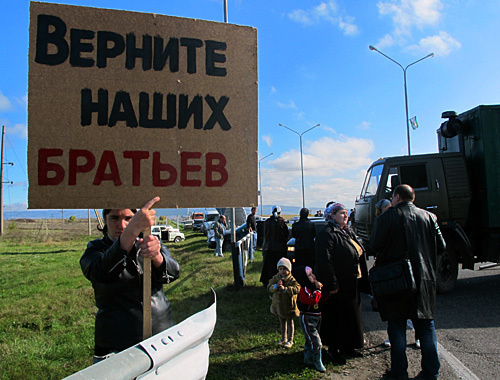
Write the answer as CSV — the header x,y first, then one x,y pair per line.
x,y
47,312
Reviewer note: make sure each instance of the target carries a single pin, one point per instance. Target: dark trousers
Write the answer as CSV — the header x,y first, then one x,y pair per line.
x,y
310,326
425,330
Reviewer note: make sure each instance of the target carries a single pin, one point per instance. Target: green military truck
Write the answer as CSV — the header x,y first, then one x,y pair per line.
x,y
460,184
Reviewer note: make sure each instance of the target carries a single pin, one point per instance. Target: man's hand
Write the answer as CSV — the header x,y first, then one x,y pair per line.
x,y
143,219
150,247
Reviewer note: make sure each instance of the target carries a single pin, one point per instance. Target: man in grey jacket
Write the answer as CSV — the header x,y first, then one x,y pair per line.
x,y
219,232
407,228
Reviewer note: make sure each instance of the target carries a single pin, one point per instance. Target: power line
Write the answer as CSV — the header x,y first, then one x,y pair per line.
x,y
18,161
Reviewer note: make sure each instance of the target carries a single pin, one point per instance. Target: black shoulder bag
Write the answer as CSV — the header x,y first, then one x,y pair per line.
x,y
394,279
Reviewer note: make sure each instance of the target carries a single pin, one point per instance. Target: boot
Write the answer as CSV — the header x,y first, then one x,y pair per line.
x,y
308,357
318,363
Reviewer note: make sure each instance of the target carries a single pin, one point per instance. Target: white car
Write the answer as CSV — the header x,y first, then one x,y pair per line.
x,y
167,233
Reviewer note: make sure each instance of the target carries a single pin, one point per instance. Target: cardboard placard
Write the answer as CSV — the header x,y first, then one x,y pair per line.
x,y
124,106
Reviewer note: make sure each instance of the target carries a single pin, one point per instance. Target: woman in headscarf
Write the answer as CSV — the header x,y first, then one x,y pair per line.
x,y
341,267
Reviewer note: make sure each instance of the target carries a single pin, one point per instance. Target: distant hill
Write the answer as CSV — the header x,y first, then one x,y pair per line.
x,y
170,212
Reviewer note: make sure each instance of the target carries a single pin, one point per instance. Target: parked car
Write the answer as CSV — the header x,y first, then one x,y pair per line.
x,y
187,223
167,233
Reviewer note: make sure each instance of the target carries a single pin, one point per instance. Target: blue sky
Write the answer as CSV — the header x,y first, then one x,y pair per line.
x,y
315,67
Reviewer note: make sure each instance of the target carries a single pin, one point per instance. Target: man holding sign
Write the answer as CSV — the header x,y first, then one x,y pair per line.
x,y
114,265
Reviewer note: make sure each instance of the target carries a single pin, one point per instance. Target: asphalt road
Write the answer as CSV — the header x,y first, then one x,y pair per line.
x,y
468,321
467,326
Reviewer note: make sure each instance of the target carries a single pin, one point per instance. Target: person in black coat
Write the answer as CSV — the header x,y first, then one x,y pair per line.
x,y
252,227
274,245
341,268
304,233
405,228
114,266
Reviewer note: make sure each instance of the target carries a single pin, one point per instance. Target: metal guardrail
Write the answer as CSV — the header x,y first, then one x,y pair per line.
x,y
240,254
167,355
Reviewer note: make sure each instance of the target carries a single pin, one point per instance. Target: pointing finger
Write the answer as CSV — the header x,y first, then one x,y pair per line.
x,y
149,204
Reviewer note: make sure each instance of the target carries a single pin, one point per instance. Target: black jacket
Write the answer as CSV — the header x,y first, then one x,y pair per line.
x,y
337,263
275,235
117,281
251,223
304,233
425,242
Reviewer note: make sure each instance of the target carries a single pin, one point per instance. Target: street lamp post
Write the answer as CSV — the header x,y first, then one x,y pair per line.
x,y
406,92
260,182
301,158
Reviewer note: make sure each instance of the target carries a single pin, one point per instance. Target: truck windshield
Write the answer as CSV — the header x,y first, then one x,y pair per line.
x,y
211,217
372,180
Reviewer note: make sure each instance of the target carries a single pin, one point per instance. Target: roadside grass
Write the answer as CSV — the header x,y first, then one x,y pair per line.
x,y
47,312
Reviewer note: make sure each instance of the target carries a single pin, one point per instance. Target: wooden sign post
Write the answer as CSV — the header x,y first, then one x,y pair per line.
x,y
147,326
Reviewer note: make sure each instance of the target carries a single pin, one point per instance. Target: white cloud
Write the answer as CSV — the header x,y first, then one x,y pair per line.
x,y
329,12
18,129
289,105
5,103
441,44
333,167
365,125
348,26
386,41
20,206
407,14
329,129
268,140
338,189
300,16
300,115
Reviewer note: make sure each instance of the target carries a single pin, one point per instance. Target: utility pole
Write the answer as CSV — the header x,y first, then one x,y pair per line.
x,y
373,48
1,180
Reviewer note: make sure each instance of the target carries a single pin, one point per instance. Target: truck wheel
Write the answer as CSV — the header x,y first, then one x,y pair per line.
x,y
447,271
177,239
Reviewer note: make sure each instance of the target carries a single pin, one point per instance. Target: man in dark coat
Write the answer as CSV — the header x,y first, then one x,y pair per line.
x,y
252,227
304,233
114,266
403,223
274,246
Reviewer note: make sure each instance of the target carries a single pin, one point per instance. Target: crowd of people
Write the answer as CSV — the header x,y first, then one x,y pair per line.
x,y
321,284
329,271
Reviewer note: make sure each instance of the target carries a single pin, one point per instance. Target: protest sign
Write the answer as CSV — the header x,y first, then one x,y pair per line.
x,y
124,106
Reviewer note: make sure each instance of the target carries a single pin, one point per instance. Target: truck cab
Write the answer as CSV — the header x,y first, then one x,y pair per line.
x,y
208,220
438,180
197,220
446,183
